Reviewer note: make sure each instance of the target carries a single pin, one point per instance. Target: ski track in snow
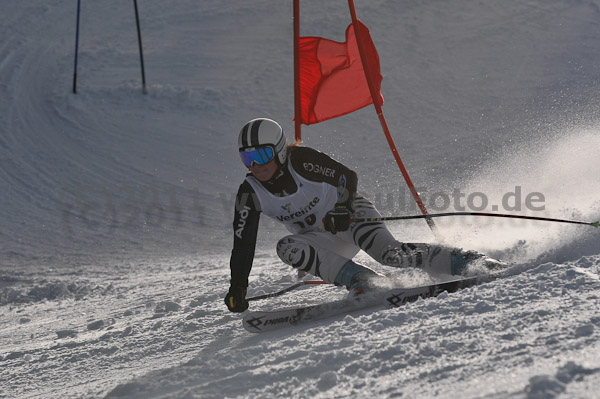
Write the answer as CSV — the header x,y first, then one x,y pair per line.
x,y
116,207
533,333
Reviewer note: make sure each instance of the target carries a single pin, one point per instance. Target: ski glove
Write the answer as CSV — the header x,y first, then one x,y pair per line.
x,y
236,299
337,219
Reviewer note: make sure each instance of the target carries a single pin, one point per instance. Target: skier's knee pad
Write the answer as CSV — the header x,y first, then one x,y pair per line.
x,y
294,252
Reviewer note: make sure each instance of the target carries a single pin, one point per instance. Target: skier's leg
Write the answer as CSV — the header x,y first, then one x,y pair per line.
x,y
324,255
357,278
318,253
376,240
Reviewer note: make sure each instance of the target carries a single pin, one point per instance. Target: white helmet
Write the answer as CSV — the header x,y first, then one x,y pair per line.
x,y
263,132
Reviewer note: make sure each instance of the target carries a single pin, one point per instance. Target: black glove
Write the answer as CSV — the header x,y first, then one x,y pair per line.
x,y
337,219
236,299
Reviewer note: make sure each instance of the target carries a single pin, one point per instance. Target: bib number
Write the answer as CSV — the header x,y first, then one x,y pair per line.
x,y
308,221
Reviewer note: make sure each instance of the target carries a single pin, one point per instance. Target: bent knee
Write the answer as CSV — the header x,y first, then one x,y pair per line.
x,y
292,251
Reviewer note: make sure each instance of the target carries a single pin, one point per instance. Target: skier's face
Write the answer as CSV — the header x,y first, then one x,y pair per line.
x,y
264,172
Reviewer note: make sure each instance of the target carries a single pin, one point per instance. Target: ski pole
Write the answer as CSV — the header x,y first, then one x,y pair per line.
x,y
288,289
500,215
139,33
76,48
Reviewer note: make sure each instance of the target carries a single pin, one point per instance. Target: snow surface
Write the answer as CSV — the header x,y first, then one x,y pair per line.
x,y
116,207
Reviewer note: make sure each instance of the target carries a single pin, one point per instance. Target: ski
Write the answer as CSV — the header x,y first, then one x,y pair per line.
x,y
262,321
397,297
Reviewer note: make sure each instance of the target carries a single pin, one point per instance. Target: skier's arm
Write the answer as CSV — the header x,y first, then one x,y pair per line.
x,y
317,166
245,231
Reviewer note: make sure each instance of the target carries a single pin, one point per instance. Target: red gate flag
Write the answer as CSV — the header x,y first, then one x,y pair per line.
x,y
332,78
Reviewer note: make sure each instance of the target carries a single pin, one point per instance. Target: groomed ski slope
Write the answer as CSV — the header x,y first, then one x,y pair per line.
x,y
116,207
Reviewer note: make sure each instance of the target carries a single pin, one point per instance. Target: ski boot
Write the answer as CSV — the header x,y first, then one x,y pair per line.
x,y
461,262
358,279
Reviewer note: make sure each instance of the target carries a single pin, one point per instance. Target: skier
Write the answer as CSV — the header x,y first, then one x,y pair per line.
x,y
315,198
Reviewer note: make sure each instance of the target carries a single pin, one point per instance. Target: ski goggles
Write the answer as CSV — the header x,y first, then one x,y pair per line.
x,y
258,155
